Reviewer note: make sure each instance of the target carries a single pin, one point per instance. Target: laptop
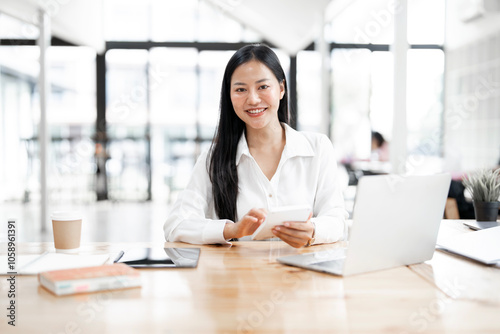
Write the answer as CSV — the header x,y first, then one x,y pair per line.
x,y
395,223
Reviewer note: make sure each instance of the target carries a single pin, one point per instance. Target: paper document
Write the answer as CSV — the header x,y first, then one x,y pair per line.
x,y
482,246
34,264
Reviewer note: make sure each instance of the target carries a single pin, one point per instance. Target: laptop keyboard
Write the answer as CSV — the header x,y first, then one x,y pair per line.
x,y
332,254
333,259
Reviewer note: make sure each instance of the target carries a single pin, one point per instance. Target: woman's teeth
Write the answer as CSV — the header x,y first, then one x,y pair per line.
x,y
256,111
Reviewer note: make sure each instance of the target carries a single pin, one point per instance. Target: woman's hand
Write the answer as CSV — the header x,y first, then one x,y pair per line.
x,y
296,234
246,226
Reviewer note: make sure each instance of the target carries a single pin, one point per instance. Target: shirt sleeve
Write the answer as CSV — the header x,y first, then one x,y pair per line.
x,y
329,211
192,219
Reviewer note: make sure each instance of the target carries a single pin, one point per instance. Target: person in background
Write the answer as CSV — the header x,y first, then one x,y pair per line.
x,y
101,157
380,147
465,207
258,162
457,192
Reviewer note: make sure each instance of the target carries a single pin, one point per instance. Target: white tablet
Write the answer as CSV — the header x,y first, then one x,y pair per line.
x,y
278,216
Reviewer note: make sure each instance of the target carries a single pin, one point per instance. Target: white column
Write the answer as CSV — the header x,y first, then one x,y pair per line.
x,y
43,137
398,145
323,47
3,155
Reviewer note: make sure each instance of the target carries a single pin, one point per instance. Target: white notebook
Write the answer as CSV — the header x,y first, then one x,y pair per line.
x,y
34,264
482,246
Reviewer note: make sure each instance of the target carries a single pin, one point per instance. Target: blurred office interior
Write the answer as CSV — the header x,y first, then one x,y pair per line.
x,y
133,93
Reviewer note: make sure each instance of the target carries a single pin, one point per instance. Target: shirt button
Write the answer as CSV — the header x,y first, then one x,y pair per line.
x,y
270,195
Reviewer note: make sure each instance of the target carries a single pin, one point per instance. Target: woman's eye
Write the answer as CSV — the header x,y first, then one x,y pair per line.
x,y
264,86
240,90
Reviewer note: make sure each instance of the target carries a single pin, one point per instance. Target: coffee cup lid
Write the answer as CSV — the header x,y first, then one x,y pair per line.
x,y
66,215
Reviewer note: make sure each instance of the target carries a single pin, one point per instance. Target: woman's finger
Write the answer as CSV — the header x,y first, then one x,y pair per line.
x,y
292,232
260,214
293,241
301,226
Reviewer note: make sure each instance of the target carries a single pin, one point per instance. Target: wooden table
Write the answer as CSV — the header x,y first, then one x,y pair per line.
x,y
242,289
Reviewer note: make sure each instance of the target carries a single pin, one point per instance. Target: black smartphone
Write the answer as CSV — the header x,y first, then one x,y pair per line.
x,y
160,257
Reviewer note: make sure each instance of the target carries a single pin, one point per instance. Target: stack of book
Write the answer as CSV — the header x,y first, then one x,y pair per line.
x,y
90,279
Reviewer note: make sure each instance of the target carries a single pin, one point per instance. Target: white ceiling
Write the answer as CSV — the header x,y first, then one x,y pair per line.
x,y
291,25
77,21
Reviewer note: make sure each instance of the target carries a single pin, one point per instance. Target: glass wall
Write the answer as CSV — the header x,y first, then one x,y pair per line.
x,y
19,115
309,91
362,80
71,119
351,102
425,101
127,116
175,99
162,102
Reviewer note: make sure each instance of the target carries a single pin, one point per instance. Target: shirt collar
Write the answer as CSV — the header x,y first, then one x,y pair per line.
x,y
242,148
296,145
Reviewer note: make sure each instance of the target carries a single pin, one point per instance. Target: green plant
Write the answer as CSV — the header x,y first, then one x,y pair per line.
x,y
483,185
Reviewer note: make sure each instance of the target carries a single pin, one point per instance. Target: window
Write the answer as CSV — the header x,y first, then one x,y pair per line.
x,y
381,93
424,101
174,104
212,65
351,73
71,121
309,91
127,113
362,98
19,117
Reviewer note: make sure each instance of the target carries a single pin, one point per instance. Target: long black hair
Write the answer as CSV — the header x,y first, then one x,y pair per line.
x,y
222,162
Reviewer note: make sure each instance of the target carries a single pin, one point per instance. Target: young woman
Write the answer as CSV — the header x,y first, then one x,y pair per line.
x,y
257,162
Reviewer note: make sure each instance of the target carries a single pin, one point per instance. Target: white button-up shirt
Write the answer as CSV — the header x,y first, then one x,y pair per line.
x,y
306,174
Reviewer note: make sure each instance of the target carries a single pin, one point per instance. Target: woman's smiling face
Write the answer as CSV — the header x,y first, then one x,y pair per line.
x,y
256,94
